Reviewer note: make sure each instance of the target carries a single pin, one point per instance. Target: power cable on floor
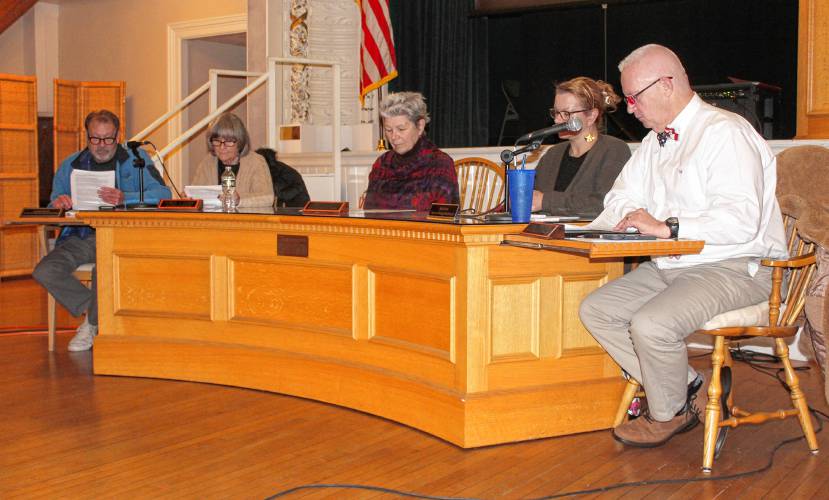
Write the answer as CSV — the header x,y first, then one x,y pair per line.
x,y
757,361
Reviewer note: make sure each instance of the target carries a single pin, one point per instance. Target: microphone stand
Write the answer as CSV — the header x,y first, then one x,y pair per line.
x,y
139,163
507,157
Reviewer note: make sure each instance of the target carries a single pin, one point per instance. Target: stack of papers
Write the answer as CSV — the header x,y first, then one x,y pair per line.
x,y
210,195
84,185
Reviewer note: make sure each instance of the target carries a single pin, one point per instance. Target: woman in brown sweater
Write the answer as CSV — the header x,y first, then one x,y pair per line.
x,y
229,144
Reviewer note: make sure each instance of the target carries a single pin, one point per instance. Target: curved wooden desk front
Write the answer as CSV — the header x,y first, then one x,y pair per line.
x,y
434,325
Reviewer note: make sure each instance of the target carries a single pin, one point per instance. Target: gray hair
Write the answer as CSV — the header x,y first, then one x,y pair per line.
x,y
229,126
412,105
102,116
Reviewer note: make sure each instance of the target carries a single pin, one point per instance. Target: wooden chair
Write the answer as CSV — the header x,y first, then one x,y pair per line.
x,y
775,319
481,184
798,170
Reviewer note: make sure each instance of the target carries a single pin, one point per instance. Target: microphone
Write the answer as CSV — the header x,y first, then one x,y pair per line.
x,y
135,144
572,125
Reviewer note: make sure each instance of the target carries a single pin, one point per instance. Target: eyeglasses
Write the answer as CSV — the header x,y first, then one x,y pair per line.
x,y
218,143
109,141
631,99
564,115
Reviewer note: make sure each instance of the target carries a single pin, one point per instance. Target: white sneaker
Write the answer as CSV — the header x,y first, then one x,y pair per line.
x,y
83,339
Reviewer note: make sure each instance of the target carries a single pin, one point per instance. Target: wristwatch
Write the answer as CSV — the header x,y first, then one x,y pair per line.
x,y
673,225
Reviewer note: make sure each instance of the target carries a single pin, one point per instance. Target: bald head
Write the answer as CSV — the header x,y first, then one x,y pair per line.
x,y
657,65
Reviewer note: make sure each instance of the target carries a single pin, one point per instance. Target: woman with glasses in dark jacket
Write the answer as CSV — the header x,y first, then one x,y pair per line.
x,y
573,176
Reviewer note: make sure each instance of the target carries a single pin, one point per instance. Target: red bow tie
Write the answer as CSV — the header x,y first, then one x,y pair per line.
x,y
668,133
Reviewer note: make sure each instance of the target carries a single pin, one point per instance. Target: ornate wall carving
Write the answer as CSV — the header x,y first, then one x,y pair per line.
x,y
334,35
300,74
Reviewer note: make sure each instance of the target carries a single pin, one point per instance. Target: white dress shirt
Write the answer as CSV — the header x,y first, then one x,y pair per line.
x,y
718,178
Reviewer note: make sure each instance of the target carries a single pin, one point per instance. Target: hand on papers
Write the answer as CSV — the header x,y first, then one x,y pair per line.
x,y
63,201
111,195
643,221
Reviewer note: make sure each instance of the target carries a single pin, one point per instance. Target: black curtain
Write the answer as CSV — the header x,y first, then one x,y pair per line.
x,y
747,39
442,52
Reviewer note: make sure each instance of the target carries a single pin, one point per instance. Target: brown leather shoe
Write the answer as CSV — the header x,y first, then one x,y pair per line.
x,y
645,432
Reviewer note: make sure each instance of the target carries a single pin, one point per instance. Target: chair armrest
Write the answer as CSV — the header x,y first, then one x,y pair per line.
x,y
802,261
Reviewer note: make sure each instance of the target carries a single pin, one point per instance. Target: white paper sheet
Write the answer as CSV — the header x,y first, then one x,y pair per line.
x,y
552,218
210,194
85,184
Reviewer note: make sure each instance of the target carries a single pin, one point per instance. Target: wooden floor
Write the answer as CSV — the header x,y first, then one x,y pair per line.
x,y
68,434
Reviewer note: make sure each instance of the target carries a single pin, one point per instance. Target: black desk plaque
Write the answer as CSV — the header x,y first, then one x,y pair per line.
x,y
42,212
326,208
182,204
443,210
544,230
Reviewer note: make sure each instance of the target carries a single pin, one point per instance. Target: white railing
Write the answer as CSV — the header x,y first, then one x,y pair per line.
x,y
215,110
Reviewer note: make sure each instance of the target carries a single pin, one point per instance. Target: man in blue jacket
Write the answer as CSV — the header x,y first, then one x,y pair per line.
x,y
76,244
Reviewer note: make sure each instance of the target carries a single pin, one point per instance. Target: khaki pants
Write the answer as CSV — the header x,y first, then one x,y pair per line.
x,y
643,318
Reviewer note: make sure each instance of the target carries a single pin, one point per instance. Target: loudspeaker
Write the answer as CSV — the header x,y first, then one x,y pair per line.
x,y
754,101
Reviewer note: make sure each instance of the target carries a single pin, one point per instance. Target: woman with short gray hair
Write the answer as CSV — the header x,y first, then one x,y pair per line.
x,y
415,173
228,143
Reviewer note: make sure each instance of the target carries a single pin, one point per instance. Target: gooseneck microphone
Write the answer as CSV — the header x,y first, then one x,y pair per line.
x,y
134,144
572,125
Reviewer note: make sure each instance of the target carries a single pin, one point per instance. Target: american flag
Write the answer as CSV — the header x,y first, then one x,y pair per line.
x,y
378,63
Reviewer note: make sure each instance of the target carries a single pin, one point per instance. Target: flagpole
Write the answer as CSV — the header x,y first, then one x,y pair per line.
x,y
381,142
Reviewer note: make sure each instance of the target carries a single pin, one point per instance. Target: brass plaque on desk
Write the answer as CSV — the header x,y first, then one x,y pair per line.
x,y
42,212
288,245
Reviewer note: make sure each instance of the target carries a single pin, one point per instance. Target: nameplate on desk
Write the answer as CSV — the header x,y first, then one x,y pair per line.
x,y
288,245
326,208
182,204
443,210
42,212
544,230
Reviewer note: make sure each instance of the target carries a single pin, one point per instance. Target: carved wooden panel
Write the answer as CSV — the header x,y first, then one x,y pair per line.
x,y
293,293
813,70
515,319
162,286
575,339
413,310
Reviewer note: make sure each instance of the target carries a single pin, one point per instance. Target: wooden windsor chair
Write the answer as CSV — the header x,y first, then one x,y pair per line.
x,y
481,184
798,170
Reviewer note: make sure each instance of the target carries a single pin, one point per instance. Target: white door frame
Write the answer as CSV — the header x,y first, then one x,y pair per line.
x,y
177,33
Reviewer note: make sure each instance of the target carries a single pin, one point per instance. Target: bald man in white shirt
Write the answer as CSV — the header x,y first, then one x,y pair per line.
x,y
701,173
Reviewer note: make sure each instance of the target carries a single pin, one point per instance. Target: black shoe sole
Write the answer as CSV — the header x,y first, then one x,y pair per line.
x,y
680,430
